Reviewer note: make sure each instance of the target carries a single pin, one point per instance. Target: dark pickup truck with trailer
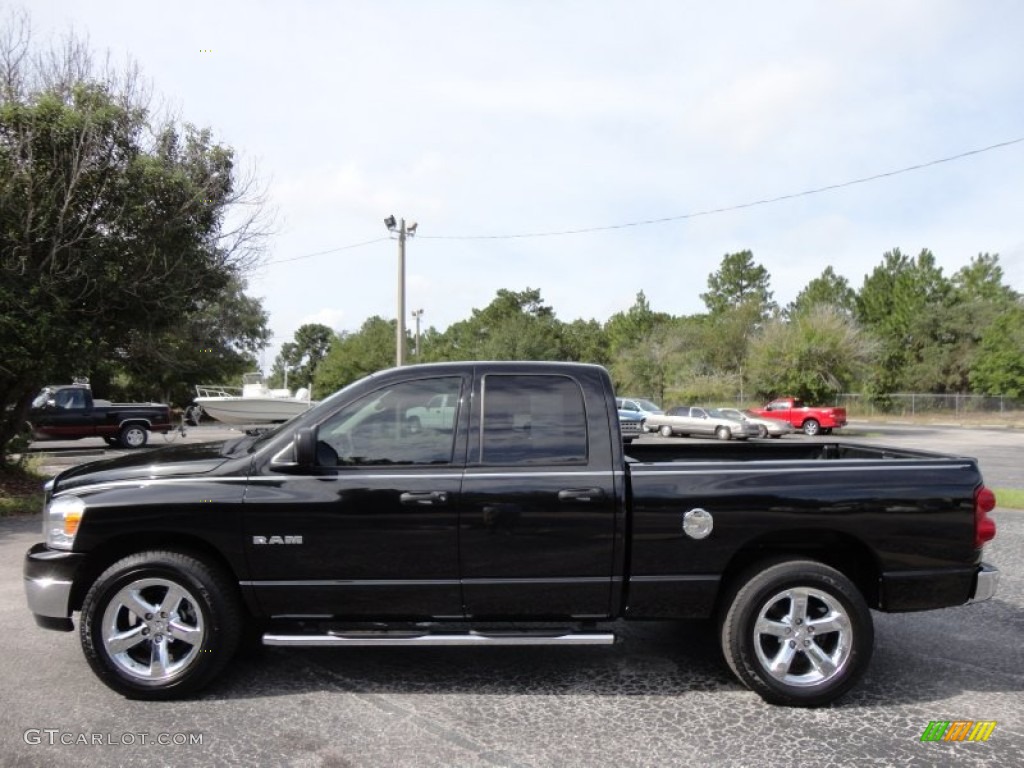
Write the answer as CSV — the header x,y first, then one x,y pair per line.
x,y
70,413
523,520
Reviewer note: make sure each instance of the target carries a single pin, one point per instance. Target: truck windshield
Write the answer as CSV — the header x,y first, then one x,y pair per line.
x,y
42,398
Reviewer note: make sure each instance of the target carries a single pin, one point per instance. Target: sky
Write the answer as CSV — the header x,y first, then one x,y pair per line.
x,y
484,121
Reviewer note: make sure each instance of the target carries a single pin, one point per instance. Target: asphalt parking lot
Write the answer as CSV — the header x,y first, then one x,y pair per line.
x,y
661,696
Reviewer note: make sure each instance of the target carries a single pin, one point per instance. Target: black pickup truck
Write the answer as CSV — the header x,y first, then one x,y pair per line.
x,y
70,413
521,520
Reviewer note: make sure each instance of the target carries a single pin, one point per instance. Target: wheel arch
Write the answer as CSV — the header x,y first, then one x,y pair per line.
x,y
847,554
136,421
123,546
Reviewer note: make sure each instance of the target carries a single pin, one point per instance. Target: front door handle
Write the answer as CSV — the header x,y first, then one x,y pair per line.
x,y
424,498
581,494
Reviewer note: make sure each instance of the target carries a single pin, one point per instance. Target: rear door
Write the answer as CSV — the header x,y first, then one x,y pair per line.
x,y
538,515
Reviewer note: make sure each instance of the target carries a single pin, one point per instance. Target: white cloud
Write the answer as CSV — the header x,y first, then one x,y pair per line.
x,y
331,317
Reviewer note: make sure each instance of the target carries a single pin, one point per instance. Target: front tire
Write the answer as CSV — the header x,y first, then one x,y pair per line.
x,y
666,431
797,632
160,625
762,431
723,433
133,436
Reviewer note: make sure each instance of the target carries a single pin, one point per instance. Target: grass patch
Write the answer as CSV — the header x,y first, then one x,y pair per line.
x,y
1011,498
21,490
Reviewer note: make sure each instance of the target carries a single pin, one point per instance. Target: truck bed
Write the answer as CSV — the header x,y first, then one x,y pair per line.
x,y
902,519
716,450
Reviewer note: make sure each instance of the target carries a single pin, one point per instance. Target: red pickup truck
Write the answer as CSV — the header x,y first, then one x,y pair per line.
x,y
810,419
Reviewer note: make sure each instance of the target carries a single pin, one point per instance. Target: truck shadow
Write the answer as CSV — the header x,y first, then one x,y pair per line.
x,y
651,659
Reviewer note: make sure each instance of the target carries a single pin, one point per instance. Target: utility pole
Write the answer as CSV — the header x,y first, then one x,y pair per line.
x,y
417,313
403,232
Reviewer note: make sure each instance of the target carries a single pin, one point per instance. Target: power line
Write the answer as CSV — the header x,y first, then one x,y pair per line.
x,y
324,253
741,206
680,217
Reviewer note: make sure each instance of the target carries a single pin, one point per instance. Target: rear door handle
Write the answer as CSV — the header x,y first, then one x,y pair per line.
x,y
581,494
424,498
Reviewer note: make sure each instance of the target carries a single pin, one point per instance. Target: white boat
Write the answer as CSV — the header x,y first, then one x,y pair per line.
x,y
252,403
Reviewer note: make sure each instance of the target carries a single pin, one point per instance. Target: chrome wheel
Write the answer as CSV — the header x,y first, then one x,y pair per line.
x,y
133,437
666,431
160,624
803,637
153,630
798,632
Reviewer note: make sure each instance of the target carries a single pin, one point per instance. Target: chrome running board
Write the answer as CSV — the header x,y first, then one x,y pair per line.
x,y
437,638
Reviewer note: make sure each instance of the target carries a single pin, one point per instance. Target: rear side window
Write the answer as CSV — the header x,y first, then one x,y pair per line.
x,y
533,419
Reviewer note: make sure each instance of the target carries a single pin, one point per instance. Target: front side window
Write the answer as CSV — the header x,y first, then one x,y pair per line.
x,y
399,424
533,419
70,399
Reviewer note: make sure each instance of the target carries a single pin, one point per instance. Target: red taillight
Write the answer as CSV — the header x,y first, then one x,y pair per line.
x,y
984,526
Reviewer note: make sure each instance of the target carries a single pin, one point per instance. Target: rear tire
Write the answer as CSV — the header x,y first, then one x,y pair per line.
x,y
811,427
160,625
797,632
133,436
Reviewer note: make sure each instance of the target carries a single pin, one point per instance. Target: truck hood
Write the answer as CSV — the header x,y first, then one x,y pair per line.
x,y
175,461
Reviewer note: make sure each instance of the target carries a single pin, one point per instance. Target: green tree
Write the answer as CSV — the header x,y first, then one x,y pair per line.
x,y
816,355
516,325
625,330
999,366
111,227
648,369
213,344
828,288
639,349
890,302
585,341
302,356
739,282
355,355
983,280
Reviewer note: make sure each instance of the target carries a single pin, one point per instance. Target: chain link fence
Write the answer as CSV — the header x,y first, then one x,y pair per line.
x,y
924,404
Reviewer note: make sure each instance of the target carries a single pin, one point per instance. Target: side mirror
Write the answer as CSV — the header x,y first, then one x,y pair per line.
x,y
304,447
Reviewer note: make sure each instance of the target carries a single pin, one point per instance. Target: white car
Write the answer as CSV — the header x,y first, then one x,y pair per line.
x,y
438,413
703,422
765,427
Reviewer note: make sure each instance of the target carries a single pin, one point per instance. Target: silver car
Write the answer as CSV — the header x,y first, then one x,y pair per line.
x,y
704,422
765,427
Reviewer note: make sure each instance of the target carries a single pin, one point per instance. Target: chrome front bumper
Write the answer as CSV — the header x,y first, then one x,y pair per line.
x,y
985,585
49,580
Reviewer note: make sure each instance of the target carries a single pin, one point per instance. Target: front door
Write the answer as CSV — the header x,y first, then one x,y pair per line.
x,y
370,531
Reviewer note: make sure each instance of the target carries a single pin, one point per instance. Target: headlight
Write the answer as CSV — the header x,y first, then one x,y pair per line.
x,y
61,521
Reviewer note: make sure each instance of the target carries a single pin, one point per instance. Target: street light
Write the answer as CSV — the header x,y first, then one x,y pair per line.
x,y
417,313
403,232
